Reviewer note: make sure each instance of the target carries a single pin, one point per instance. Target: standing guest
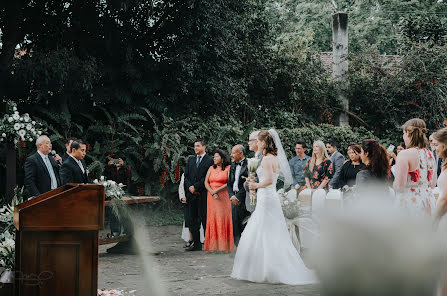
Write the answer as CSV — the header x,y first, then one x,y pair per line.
x,y
74,170
219,230
117,171
318,171
373,179
393,156
67,147
337,160
350,169
439,160
237,192
297,165
253,146
195,172
41,171
186,234
415,171
441,150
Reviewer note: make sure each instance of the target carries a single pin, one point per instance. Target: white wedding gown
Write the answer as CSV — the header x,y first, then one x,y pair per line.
x,y
265,253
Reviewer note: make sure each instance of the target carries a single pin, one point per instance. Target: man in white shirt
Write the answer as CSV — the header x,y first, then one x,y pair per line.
x,y
73,170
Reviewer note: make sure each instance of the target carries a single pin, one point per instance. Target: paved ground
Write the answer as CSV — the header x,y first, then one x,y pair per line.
x,y
180,272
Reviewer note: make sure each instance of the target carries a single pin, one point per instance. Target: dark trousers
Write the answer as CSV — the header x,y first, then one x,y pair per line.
x,y
197,216
239,213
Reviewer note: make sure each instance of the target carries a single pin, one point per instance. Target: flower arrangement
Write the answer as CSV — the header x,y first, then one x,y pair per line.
x,y
289,203
252,167
113,190
16,128
110,292
7,240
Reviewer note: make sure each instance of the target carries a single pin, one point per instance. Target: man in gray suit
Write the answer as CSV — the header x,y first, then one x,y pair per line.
x,y
253,146
337,160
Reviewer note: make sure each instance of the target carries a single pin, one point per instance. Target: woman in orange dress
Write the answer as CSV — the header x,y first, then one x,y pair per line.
x,y
219,225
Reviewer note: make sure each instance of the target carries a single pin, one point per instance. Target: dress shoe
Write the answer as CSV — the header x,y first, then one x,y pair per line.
x,y
193,247
188,244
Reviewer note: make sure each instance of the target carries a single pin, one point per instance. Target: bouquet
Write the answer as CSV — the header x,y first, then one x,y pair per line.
x,y
17,128
252,167
289,203
113,190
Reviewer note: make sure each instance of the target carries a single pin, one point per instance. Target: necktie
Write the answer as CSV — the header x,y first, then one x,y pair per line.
x,y
198,161
51,172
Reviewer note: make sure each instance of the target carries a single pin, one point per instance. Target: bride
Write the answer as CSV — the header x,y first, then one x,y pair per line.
x,y
265,253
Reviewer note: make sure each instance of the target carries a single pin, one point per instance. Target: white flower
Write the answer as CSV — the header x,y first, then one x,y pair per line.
x,y
95,181
22,125
15,141
1,139
16,112
16,116
4,135
39,132
14,108
22,133
28,126
33,122
102,178
21,118
30,139
10,119
17,126
26,117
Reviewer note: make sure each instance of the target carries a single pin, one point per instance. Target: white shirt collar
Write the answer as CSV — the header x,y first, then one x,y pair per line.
x,y
201,155
42,155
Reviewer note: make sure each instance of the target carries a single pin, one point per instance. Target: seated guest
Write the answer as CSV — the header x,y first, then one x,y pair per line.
x,y
319,170
219,227
297,165
374,178
41,171
337,160
349,170
73,170
117,171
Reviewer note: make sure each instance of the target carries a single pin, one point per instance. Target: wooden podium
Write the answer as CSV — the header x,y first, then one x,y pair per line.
x,y
57,242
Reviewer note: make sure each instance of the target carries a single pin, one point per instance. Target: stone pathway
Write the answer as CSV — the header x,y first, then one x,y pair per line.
x,y
181,273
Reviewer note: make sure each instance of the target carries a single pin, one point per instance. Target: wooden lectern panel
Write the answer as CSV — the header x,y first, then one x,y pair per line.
x,y
57,263
70,207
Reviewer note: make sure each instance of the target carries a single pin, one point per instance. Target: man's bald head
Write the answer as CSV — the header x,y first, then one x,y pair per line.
x,y
237,153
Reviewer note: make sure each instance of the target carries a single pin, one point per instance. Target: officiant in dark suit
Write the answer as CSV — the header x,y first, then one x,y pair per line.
x,y
236,190
196,194
41,171
73,169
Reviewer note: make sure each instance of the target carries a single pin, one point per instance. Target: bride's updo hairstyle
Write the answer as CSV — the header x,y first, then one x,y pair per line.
x,y
270,147
417,129
441,137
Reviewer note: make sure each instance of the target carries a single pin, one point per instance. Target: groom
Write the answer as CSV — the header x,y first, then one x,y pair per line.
x,y
195,172
236,190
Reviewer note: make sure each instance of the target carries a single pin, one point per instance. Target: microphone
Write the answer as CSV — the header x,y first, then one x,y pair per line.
x,y
53,153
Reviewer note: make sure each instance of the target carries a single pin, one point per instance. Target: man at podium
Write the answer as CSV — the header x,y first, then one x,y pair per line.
x,y
73,169
41,171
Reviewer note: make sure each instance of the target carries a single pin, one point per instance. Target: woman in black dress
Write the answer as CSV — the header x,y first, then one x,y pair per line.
x,y
350,169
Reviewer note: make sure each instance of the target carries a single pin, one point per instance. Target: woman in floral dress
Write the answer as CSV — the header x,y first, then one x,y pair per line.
x,y
415,171
319,169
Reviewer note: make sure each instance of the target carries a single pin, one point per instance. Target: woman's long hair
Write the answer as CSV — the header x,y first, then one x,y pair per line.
x,y
379,165
417,131
225,159
323,151
270,147
441,137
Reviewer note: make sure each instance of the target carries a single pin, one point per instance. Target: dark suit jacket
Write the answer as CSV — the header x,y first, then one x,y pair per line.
x,y
195,176
71,172
240,195
37,178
